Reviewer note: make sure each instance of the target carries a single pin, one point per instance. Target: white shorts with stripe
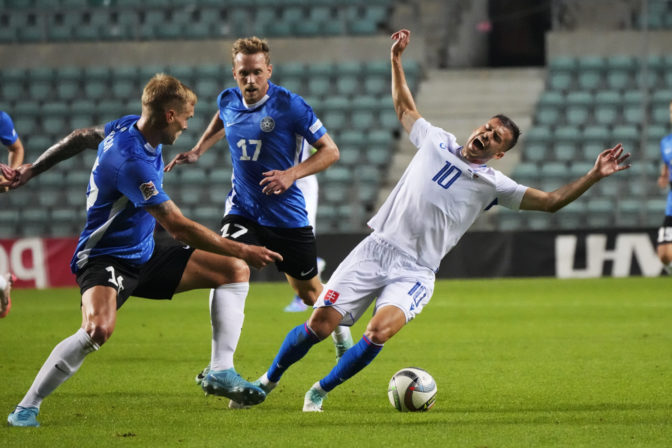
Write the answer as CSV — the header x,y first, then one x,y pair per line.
x,y
376,270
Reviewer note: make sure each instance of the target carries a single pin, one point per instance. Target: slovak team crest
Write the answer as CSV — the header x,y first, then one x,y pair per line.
x,y
267,124
331,297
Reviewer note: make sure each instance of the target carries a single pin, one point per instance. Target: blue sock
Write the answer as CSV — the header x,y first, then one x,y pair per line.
x,y
296,344
352,361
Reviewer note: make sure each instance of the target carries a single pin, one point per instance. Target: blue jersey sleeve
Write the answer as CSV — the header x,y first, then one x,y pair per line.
x,y
8,134
141,184
666,152
306,122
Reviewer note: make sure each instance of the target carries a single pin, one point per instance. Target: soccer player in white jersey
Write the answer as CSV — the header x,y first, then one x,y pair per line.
x,y
117,256
266,127
664,246
443,190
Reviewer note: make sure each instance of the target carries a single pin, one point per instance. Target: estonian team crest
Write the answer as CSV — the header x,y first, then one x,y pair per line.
x,y
331,297
267,124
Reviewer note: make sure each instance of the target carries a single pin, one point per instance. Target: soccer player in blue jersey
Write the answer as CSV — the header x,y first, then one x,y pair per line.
x,y
117,255
443,190
267,128
9,138
664,247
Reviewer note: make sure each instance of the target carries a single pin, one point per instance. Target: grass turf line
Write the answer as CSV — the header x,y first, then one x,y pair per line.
x,y
518,362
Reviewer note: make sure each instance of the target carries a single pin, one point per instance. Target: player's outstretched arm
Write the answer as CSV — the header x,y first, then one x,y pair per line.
x,y
71,145
213,133
609,161
404,105
200,237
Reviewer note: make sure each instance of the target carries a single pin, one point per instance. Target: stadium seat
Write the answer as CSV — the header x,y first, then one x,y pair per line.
x,y
535,151
599,135
621,62
561,81
606,114
547,115
589,79
362,119
618,79
347,85
660,114
563,63
388,119
375,85
12,90
629,135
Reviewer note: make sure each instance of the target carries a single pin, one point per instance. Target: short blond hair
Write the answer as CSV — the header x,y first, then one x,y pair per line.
x,y
251,45
164,91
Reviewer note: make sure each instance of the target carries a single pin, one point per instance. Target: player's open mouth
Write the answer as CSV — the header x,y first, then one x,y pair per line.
x,y
478,144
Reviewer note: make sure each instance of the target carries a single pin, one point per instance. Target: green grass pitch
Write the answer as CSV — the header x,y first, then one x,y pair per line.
x,y
518,362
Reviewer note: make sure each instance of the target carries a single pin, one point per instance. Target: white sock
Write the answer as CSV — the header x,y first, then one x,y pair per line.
x,y
666,267
227,313
317,388
64,360
269,385
341,334
3,282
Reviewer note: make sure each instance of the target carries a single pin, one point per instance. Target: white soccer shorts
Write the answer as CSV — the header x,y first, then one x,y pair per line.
x,y
376,270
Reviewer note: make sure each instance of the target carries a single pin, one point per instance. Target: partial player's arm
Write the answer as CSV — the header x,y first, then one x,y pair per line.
x,y
609,161
278,181
213,133
664,178
74,143
402,98
196,235
16,153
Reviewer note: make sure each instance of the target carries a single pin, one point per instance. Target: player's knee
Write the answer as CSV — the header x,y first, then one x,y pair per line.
x,y
322,323
239,271
308,297
665,256
378,334
99,332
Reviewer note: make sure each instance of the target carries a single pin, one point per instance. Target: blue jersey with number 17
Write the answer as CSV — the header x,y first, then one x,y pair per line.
x,y
126,177
268,135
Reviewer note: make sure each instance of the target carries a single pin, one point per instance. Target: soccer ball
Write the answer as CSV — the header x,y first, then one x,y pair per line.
x,y
412,390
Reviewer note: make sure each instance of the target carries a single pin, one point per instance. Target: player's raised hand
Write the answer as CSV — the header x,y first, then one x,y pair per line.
x,y
258,256
401,38
181,158
611,161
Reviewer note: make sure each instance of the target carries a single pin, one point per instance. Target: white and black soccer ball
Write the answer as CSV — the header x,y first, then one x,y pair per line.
x,y
412,390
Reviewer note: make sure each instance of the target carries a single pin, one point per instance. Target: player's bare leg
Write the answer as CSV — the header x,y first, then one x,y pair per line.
x,y
309,291
6,282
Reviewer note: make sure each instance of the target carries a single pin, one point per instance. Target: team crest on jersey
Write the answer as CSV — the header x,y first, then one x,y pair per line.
x,y
331,297
267,124
148,190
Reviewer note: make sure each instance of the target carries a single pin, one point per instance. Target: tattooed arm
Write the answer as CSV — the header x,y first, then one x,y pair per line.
x,y
77,141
